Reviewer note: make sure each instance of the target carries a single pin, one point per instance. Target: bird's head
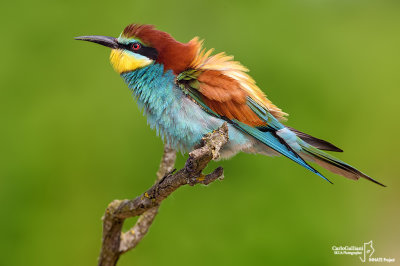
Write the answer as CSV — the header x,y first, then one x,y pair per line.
x,y
141,45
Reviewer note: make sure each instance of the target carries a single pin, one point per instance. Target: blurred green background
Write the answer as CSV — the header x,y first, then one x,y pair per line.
x,y
72,138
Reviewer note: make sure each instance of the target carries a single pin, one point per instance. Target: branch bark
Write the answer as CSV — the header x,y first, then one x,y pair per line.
x,y
114,242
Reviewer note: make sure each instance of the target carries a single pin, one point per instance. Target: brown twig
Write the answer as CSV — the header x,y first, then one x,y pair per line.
x,y
131,238
146,205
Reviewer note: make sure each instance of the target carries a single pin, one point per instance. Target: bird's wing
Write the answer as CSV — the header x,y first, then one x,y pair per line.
x,y
220,93
224,77
225,97
222,88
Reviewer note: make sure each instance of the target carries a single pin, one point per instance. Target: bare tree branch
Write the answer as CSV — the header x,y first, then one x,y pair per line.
x,y
146,205
132,237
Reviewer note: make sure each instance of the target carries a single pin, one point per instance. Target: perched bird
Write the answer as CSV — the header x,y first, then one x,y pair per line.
x,y
186,92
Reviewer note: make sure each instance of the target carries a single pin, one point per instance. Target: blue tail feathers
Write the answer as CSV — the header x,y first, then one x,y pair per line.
x,y
273,141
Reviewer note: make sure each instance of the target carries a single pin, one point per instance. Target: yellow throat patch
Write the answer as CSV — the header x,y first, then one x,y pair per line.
x,y
123,61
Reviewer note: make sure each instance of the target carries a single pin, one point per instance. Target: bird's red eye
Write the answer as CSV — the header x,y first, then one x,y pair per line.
x,y
136,46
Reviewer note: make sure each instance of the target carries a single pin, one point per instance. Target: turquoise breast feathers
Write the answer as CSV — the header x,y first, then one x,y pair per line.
x,y
179,121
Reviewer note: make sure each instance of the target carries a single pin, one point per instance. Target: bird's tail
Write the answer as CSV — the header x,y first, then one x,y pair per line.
x,y
327,161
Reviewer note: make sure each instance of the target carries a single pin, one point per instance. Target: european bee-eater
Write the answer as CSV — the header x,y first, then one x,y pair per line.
x,y
186,92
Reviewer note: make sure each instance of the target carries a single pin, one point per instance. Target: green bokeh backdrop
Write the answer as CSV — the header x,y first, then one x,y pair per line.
x,y
72,138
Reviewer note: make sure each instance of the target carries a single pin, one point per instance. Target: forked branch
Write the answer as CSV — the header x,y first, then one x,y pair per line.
x,y
146,206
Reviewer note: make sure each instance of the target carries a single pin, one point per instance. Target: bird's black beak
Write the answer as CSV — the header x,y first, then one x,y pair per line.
x,y
103,40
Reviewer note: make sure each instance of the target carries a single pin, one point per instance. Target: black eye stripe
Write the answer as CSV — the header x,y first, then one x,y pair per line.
x,y
149,52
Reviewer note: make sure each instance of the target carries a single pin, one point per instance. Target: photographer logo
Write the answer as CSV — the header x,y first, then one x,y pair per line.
x,y
364,252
